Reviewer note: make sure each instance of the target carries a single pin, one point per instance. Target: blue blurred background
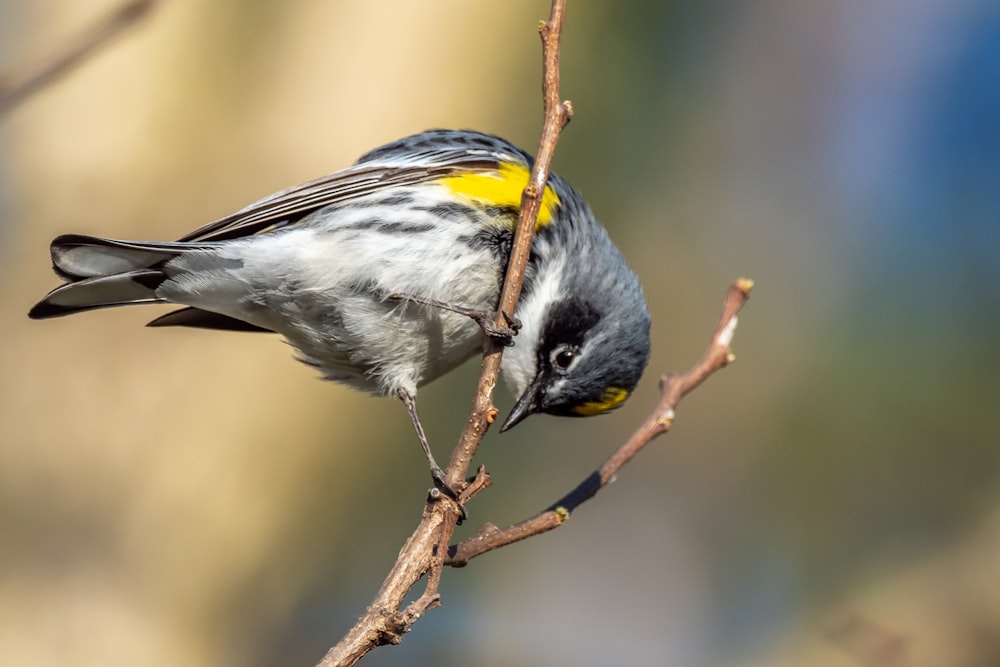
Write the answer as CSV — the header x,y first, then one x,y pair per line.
x,y
195,498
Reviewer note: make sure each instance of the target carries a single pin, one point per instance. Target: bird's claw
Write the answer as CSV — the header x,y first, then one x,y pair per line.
x,y
502,335
443,488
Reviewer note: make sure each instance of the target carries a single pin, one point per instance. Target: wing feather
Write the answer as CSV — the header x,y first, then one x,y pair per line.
x,y
288,206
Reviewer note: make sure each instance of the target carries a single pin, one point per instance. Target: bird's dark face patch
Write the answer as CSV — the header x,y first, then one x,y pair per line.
x,y
569,379
587,363
566,326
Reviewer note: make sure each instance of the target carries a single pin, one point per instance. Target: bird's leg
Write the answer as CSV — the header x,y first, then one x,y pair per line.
x,y
484,318
437,474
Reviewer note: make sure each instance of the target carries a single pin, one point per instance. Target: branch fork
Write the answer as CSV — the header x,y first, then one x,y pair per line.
x,y
426,552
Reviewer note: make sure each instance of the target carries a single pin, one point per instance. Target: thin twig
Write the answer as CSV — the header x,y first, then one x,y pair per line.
x,y
557,115
16,88
673,388
425,551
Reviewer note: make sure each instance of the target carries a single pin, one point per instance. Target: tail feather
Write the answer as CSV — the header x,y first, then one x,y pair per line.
x,y
101,273
120,289
203,319
76,257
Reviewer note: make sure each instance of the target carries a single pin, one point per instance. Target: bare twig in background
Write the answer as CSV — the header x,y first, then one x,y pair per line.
x,y
16,88
673,388
869,643
425,551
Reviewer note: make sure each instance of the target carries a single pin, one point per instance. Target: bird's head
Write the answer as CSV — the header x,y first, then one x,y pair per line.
x,y
579,355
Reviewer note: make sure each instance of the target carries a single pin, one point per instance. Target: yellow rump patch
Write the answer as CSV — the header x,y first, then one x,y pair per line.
x,y
611,398
501,188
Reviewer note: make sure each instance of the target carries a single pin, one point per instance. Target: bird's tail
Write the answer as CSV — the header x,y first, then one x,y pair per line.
x,y
101,273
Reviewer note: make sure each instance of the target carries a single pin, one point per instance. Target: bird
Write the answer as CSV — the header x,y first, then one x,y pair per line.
x,y
377,274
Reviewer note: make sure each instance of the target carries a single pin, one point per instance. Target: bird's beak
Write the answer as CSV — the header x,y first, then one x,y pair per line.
x,y
528,404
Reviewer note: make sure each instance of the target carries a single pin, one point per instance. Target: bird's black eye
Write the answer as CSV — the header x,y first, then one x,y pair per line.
x,y
563,358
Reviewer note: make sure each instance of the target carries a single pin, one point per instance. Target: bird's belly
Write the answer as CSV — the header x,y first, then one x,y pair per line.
x,y
381,347
328,294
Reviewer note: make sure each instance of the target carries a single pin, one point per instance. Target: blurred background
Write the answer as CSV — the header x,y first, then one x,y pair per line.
x,y
173,497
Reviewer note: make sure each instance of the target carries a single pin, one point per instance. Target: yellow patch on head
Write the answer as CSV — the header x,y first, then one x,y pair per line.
x,y
611,398
501,188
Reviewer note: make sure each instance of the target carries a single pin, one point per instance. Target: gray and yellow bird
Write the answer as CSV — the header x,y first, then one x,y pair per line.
x,y
362,271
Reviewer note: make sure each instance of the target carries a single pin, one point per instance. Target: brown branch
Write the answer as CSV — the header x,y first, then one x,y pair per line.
x,y
16,88
425,551
673,388
557,115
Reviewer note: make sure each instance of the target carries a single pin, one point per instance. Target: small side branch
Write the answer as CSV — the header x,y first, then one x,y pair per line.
x,y
16,88
673,388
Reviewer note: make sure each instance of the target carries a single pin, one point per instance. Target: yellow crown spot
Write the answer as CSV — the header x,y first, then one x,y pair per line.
x,y
611,398
501,188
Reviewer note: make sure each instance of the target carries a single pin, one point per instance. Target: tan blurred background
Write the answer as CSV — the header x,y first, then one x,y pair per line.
x,y
174,497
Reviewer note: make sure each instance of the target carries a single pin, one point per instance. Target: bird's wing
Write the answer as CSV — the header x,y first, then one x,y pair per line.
x,y
364,178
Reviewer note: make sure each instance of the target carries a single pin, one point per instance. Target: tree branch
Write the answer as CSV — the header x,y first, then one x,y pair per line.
x,y
425,550
16,88
557,115
673,388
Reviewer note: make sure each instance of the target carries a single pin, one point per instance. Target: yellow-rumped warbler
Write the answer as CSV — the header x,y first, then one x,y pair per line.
x,y
363,272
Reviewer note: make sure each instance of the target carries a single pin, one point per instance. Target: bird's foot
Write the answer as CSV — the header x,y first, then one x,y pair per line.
x,y
441,487
503,335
